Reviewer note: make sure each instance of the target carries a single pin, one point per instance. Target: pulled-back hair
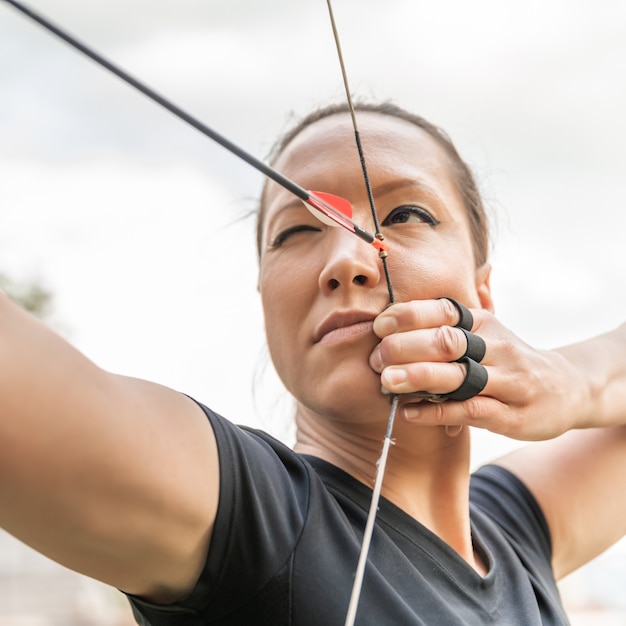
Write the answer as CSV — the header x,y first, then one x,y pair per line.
x,y
461,173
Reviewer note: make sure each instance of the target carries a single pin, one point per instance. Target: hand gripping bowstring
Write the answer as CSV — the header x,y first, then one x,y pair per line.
x,y
382,462
330,209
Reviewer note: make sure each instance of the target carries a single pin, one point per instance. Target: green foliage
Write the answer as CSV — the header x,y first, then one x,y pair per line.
x,y
33,296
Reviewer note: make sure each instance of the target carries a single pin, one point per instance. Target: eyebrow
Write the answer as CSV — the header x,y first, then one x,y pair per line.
x,y
395,185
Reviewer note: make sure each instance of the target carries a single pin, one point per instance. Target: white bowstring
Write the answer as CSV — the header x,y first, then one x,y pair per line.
x,y
371,519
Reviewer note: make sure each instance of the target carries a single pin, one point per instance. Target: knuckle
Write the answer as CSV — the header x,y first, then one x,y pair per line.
x,y
449,311
427,375
389,347
412,315
473,410
508,348
482,318
438,413
448,343
420,376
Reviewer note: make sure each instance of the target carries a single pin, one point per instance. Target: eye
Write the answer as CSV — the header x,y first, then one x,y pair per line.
x,y
280,239
409,215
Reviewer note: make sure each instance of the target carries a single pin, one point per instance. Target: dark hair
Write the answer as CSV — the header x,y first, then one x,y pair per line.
x,y
462,174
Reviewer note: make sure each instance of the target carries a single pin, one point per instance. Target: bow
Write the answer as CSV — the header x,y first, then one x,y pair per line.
x,y
330,209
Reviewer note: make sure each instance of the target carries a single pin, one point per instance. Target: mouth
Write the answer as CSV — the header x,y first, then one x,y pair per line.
x,y
344,326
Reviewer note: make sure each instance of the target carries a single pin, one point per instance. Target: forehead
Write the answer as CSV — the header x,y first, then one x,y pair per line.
x,y
398,153
390,144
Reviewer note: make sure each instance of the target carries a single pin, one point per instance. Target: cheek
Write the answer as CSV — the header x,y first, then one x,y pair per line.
x,y
283,283
420,273
286,294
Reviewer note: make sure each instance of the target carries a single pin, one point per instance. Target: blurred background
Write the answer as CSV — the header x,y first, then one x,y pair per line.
x,y
139,228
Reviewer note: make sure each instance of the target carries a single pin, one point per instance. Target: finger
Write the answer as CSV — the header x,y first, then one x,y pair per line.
x,y
482,412
479,412
441,344
487,411
474,381
435,378
405,316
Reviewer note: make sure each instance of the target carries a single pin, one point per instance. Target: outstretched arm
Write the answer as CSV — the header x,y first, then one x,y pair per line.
x,y
114,477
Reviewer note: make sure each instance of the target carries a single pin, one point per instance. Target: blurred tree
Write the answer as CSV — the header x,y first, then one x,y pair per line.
x,y
33,296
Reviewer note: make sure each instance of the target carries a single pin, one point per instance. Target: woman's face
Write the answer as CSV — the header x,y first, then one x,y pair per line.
x,y
321,286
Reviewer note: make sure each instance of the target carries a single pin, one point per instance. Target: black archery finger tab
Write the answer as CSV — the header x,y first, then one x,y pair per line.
x,y
466,319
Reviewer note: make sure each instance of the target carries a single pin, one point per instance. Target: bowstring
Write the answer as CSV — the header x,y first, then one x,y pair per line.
x,y
359,146
382,462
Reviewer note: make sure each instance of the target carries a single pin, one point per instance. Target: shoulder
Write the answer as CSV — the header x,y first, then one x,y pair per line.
x,y
497,495
264,495
499,490
508,501
250,458
269,498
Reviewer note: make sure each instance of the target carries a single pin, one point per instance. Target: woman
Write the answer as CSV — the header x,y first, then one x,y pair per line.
x,y
203,522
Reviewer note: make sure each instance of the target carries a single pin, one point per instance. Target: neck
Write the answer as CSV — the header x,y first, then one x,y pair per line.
x,y
427,473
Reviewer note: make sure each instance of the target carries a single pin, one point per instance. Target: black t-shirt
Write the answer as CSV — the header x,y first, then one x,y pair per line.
x,y
287,539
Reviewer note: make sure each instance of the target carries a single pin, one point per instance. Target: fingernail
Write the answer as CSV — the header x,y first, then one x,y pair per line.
x,y
395,376
411,412
385,325
453,431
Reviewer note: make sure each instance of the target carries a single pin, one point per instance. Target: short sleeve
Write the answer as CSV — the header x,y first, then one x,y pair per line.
x,y
511,506
264,493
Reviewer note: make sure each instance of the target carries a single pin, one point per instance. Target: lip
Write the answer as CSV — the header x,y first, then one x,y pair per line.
x,y
343,325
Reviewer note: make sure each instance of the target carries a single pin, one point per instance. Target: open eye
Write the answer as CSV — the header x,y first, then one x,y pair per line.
x,y
409,215
280,239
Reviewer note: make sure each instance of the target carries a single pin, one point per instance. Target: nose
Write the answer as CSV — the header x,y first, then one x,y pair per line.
x,y
350,262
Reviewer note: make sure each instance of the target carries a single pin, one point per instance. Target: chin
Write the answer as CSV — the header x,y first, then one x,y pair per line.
x,y
345,390
360,407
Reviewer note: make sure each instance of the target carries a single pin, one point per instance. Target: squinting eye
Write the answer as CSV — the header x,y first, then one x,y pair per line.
x,y
408,215
285,234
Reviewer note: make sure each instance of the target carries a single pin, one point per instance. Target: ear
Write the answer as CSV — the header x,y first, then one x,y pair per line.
x,y
483,287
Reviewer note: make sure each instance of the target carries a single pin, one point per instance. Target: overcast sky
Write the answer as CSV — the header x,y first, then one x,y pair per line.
x,y
135,220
